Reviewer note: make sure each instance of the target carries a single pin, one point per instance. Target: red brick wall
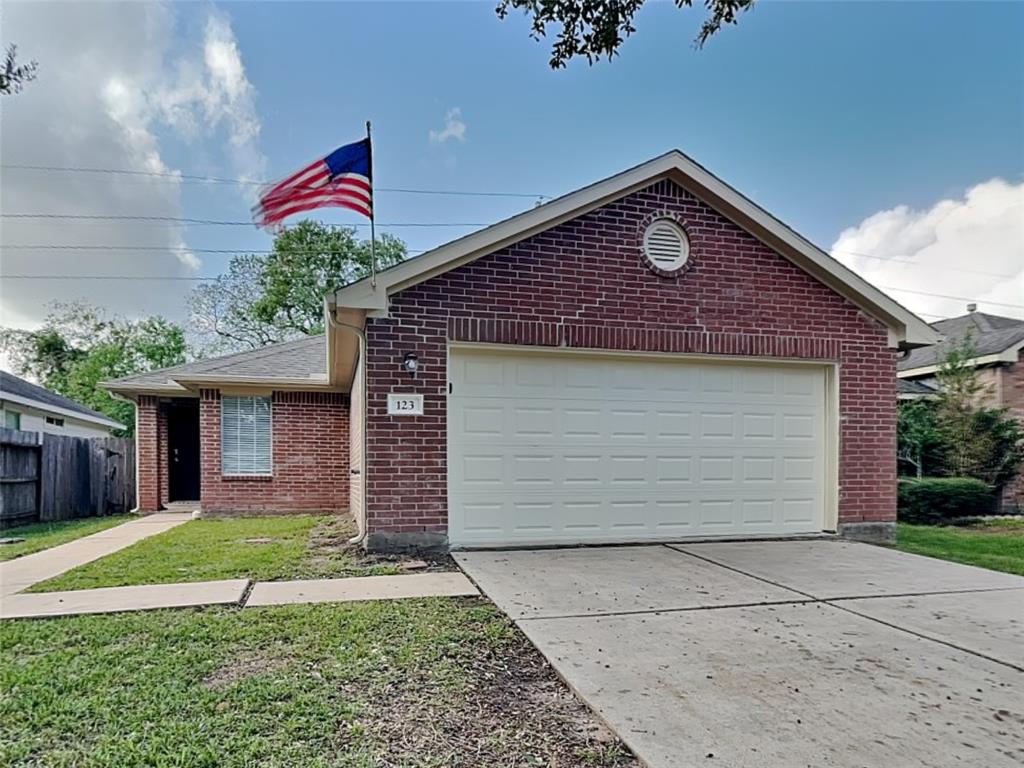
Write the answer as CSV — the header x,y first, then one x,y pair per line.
x,y
585,284
150,452
310,460
310,457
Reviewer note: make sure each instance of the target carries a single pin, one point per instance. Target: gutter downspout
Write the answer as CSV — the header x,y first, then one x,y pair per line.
x,y
333,322
135,438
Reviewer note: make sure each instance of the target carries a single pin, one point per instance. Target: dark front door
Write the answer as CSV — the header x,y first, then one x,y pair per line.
x,y
183,451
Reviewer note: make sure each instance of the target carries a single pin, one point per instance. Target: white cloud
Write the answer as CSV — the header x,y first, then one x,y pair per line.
x,y
215,94
972,246
115,84
454,128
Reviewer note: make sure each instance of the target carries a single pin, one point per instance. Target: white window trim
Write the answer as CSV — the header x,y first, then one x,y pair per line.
x,y
223,473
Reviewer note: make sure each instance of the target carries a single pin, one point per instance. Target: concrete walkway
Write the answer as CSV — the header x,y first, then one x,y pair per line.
x,y
234,592
23,572
118,599
359,588
783,653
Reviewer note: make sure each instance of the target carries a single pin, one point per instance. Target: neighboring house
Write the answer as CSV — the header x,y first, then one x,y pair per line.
x,y
999,359
648,358
34,409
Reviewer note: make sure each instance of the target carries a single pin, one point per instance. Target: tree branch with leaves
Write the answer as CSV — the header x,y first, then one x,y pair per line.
x,y
593,29
13,75
79,346
266,298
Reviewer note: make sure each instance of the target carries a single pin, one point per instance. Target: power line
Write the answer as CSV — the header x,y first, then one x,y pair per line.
x,y
205,222
200,279
103,277
185,249
176,249
955,298
252,182
921,264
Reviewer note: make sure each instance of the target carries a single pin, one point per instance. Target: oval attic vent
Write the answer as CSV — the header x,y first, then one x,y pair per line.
x,y
666,245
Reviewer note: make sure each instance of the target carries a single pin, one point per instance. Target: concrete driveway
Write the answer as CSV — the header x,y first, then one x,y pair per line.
x,y
778,653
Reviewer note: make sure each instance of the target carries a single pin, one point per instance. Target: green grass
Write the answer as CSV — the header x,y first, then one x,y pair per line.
x,y
310,686
260,548
40,536
997,545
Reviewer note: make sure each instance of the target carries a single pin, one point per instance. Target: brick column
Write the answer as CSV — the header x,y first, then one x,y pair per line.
x,y
148,453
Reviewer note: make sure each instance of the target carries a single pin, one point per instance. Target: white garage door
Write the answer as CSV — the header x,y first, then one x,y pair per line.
x,y
549,448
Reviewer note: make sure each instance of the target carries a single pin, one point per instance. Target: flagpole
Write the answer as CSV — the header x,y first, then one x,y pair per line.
x,y
373,210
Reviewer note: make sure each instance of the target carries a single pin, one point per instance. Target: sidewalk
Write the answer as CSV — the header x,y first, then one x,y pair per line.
x,y
234,592
23,572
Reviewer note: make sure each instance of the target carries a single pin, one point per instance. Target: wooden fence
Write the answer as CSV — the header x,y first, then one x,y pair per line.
x,y
46,477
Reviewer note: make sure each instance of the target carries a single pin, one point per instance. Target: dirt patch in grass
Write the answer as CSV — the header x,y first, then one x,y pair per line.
x,y
507,708
240,669
329,542
1001,527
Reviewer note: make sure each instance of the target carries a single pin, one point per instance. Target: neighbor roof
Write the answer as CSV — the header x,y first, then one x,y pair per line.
x,y
17,390
300,362
994,338
371,294
907,388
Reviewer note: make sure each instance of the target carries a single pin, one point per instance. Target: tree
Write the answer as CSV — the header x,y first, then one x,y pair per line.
x,y
917,436
264,299
977,440
13,76
79,345
596,28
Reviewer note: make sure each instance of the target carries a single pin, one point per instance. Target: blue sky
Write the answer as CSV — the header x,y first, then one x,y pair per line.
x,y
826,113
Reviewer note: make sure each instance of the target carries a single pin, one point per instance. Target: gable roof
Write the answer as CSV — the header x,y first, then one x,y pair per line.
x,y
301,362
905,328
17,390
995,338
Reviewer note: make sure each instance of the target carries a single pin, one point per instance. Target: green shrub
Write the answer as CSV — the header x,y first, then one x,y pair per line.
x,y
932,500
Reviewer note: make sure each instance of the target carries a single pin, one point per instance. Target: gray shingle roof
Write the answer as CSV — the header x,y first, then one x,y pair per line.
x,y
18,387
991,334
304,358
911,387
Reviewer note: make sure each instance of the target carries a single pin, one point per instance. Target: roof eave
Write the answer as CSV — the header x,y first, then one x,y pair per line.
x,y
1009,355
69,413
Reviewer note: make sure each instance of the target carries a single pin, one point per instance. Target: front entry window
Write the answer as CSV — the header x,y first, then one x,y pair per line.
x,y
245,435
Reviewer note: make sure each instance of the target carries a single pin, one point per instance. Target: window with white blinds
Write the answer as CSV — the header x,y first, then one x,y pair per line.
x,y
245,435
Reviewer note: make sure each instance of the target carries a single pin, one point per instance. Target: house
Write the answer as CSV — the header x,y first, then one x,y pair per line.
x,y
999,359
31,408
648,358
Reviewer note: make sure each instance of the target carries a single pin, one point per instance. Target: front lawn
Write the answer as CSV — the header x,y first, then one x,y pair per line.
x,y
997,545
40,536
260,548
415,683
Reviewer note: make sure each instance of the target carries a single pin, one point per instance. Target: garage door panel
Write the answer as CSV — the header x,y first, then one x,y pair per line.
x,y
622,517
547,448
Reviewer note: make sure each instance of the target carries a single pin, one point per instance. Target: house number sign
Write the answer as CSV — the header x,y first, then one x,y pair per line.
x,y
405,405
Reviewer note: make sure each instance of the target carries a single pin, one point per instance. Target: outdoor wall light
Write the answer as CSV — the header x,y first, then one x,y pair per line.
x,y
410,363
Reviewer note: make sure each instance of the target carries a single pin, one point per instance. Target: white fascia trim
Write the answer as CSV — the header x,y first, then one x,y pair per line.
x,y
1008,355
314,382
66,412
904,325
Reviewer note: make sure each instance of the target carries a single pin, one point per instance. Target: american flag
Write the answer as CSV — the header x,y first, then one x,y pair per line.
x,y
342,180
